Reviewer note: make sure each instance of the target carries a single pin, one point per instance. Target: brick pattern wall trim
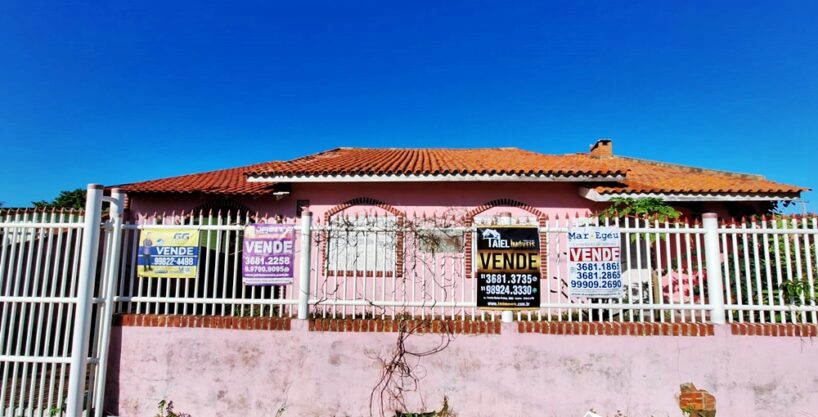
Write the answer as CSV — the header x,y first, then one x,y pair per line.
x,y
419,326
209,322
779,330
505,202
466,327
616,329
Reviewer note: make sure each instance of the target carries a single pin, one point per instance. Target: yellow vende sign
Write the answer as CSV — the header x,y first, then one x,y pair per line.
x,y
168,253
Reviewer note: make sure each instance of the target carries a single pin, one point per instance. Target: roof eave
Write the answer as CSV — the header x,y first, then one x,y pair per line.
x,y
436,178
197,191
593,195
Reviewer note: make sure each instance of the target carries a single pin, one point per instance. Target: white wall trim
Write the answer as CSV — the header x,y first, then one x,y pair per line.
x,y
593,195
436,178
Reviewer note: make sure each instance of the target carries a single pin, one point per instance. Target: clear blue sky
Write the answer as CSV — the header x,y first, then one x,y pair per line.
x,y
115,93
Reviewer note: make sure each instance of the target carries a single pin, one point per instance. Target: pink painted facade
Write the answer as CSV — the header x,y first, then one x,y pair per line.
x,y
551,198
544,199
221,372
218,372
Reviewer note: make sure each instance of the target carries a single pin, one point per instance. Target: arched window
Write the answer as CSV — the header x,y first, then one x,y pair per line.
x,y
364,238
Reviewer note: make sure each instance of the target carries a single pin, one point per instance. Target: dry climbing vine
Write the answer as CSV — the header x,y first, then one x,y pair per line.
x,y
425,241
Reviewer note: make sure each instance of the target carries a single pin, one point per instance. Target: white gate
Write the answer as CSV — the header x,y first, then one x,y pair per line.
x,y
55,309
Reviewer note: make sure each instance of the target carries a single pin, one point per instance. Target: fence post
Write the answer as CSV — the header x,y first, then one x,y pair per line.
x,y
111,274
505,219
304,266
712,255
85,286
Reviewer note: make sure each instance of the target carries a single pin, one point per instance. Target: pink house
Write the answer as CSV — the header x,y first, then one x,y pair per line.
x,y
458,187
218,347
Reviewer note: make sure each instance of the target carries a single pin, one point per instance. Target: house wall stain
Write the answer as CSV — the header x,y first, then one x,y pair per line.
x,y
255,373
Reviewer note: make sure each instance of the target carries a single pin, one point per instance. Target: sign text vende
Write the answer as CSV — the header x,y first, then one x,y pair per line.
x,y
597,254
268,247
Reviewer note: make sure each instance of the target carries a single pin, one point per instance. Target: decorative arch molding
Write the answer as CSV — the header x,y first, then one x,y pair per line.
x,y
363,201
367,201
504,202
542,219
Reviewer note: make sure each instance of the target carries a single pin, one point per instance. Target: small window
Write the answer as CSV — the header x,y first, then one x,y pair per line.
x,y
439,241
362,246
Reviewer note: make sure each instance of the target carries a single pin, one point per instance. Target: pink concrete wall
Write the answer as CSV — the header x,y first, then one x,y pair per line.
x,y
214,372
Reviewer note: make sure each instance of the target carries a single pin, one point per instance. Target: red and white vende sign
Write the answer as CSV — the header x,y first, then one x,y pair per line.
x,y
603,254
594,262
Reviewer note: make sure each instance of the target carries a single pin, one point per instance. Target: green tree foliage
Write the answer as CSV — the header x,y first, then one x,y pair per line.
x,y
640,208
74,199
781,277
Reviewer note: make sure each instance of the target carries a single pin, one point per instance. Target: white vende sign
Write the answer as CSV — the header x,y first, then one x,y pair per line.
x,y
594,259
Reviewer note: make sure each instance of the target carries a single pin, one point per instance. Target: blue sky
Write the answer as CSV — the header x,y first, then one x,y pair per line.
x,y
125,91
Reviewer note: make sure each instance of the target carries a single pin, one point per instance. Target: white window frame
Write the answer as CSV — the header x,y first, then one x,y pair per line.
x,y
362,246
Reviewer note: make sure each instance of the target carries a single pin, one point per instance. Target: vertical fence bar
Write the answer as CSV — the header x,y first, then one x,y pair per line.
x,y
504,219
82,319
69,278
777,258
787,261
637,240
117,209
690,275
657,284
808,255
666,271
799,272
8,309
715,289
748,285
758,278
58,260
736,271
304,266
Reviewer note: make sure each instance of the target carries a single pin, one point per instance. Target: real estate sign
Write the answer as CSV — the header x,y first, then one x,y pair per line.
x,y
594,262
268,254
168,253
508,267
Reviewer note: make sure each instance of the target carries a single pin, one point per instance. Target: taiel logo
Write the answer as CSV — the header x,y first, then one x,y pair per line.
x,y
494,239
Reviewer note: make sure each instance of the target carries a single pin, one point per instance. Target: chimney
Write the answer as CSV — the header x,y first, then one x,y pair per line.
x,y
603,148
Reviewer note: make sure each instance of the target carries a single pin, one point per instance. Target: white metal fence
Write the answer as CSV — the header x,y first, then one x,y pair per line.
x,y
768,266
56,309
39,263
373,266
63,275
218,289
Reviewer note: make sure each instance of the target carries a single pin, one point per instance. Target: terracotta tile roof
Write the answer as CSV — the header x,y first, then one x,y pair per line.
x,y
225,181
488,161
630,175
658,177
